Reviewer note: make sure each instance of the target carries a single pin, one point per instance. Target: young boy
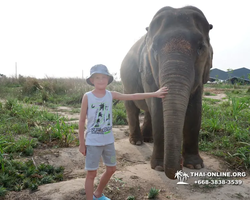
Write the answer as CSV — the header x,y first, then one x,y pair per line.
x,y
99,141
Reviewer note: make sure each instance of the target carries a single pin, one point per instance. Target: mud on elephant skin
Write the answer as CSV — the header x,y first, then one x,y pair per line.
x,y
175,52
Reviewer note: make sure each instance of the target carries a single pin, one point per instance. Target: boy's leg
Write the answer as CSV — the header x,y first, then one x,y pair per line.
x,y
93,156
109,159
89,184
104,180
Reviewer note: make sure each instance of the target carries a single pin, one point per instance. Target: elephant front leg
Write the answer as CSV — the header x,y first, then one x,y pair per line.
x,y
135,136
146,128
155,107
191,130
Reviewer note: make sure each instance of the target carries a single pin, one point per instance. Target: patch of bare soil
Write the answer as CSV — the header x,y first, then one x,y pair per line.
x,y
219,94
134,176
216,90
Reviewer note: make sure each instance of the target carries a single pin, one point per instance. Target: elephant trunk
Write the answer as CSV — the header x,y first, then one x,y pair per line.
x,y
178,75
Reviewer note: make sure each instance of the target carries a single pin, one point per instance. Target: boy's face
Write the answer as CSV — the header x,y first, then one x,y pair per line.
x,y
100,81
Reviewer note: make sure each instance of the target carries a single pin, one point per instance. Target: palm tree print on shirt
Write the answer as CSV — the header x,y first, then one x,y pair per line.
x,y
102,116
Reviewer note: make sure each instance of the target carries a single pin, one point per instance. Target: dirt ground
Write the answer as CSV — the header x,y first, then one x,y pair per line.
x,y
133,177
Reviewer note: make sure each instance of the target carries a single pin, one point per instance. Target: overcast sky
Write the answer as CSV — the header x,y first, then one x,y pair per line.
x,y
58,38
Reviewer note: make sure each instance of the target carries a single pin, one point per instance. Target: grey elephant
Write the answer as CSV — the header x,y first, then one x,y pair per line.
x,y
176,53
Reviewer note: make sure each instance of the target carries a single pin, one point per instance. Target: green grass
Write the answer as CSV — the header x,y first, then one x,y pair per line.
x,y
210,101
24,126
3,191
18,175
153,193
49,92
31,124
119,114
209,94
225,130
130,198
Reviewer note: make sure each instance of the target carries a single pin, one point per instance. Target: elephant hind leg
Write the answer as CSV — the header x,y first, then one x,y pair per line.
x,y
135,136
146,128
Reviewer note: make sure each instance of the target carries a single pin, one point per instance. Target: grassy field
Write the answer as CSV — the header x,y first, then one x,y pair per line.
x,y
226,126
27,124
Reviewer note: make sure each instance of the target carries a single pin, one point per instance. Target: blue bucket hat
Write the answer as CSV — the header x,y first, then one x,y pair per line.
x,y
99,69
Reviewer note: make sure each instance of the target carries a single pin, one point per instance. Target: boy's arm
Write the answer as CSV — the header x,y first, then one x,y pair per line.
x,y
139,96
82,120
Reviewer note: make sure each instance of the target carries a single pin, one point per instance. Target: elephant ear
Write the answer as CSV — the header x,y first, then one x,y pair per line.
x,y
144,67
208,66
206,75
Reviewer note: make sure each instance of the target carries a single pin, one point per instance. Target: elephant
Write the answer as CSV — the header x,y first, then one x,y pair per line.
x,y
175,52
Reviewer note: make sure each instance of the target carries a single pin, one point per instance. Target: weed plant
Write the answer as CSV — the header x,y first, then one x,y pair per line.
x,y
224,132
25,126
153,193
17,175
130,198
225,129
48,91
21,128
119,114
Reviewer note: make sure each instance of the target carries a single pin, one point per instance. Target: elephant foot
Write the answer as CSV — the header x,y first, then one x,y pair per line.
x,y
136,141
147,134
157,164
193,161
159,168
148,139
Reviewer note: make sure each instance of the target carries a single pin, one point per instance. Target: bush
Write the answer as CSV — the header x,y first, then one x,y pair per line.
x,y
30,86
248,90
153,193
3,191
21,175
119,114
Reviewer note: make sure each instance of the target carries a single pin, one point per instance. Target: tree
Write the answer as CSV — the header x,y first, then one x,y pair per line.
x,y
178,174
229,71
181,176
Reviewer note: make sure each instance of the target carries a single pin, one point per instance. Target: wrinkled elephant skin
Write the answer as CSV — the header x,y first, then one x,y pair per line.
x,y
175,52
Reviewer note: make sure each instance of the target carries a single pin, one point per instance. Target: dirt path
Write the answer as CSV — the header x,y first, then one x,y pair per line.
x,y
134,177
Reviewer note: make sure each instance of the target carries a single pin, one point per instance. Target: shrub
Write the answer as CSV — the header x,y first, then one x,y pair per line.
x,y
3,191
21,175
248,90
153,193
30,86
119,117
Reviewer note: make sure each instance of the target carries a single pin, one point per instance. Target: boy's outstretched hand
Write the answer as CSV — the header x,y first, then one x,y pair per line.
x,y
161,93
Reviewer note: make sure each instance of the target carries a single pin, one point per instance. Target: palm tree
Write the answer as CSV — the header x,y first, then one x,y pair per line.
x,y
185,176
178,174
182,176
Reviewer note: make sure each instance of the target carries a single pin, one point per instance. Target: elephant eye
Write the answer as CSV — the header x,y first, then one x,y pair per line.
x,y
200,48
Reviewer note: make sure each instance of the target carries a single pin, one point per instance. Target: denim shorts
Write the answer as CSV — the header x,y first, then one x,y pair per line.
x,y
94,154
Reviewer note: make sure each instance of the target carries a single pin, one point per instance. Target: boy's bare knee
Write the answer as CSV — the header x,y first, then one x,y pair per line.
x,y
111,170
91,174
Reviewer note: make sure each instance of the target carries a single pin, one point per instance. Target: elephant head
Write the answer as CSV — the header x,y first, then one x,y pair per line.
x,y
180,57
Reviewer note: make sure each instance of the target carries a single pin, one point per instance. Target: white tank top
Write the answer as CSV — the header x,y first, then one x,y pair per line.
x,y
99,120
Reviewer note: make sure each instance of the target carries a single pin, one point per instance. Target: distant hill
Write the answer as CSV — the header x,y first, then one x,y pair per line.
x,y
222,75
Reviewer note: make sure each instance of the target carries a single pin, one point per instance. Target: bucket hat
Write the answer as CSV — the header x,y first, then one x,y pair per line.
x,y
99,69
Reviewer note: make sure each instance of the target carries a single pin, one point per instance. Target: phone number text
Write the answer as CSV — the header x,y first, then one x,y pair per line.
x,y
219,182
